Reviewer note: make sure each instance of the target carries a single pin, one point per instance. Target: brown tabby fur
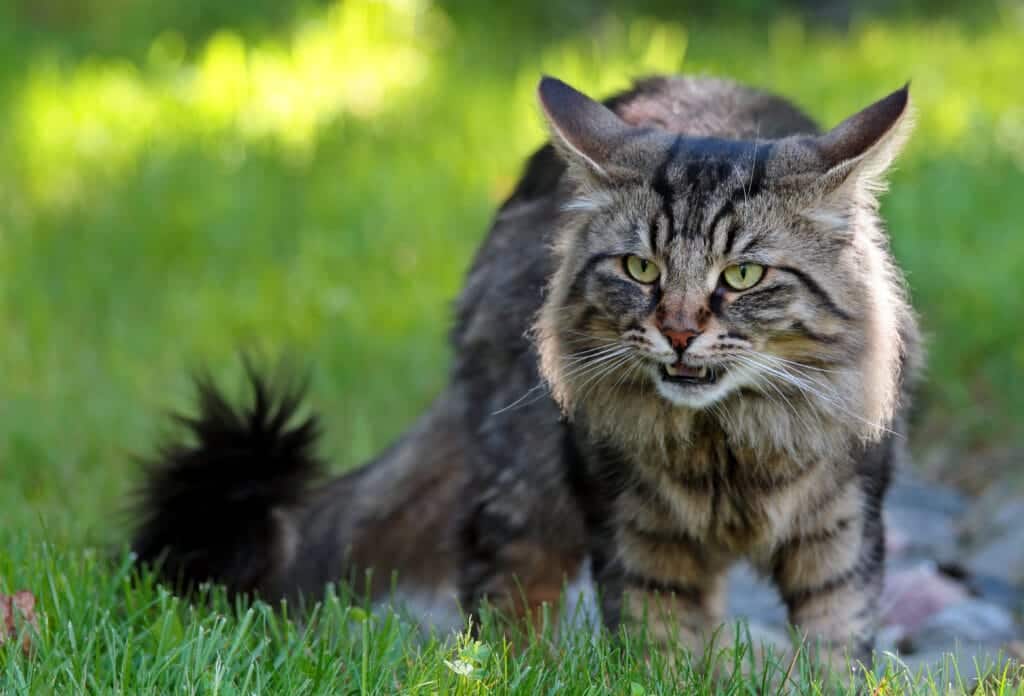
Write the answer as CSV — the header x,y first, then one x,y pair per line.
x,y
545,460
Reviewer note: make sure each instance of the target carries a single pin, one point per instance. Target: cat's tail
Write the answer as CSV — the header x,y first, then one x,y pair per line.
x,y
218,501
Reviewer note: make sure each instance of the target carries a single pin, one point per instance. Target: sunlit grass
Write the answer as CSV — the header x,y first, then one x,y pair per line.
x,y
99,117
360,58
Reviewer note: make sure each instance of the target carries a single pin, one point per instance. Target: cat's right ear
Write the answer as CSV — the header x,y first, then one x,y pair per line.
x,y
586,132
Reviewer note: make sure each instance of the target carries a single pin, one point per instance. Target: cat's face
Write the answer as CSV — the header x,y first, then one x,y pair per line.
x,y
706,285
698,267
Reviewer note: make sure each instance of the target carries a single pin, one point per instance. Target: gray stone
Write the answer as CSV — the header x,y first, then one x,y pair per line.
x,y
909,491
889,638
996,511
997,591
921,519
972,624
913,595
752,598
920,533
1002,556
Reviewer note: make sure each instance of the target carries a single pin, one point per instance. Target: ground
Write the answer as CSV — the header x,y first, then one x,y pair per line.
x,y
311,179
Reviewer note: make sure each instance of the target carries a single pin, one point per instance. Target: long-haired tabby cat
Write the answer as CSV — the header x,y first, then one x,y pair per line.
x,y
683,343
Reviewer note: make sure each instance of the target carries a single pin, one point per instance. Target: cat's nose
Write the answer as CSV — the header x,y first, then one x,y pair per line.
x,y
680,340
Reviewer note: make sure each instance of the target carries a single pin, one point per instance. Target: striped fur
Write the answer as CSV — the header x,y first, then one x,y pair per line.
x,y
558,452
783,458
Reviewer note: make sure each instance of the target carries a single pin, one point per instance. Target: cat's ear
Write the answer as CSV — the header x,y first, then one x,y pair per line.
x,y
586,132
859,151
848,164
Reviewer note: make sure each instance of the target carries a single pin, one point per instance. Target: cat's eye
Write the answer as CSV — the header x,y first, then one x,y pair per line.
x,y
743,276
642,270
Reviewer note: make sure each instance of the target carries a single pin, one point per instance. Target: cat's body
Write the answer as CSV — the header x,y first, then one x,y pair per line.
x,y
536,466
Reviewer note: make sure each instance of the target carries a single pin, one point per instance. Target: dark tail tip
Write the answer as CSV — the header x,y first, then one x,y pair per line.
x,y
214,500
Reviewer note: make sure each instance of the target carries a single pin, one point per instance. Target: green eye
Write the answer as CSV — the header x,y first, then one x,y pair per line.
x,y
743,276
641,270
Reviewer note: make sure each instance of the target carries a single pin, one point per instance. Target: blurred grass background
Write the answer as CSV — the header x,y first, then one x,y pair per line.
x,y
182,180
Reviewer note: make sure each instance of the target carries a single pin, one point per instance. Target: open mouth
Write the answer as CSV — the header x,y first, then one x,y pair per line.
x,y
680,373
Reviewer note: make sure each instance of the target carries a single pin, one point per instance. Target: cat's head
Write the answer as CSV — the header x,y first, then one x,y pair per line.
x,y
698,269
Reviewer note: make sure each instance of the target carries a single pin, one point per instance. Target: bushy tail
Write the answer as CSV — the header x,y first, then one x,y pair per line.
x,y
215,502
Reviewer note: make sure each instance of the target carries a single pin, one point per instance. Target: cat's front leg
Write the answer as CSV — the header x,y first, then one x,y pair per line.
x,y
676,611
829,573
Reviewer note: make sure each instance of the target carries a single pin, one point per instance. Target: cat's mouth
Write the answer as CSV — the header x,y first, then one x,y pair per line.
x,y
681,373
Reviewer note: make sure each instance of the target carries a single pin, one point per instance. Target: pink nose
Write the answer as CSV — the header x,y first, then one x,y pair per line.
x,y
680,340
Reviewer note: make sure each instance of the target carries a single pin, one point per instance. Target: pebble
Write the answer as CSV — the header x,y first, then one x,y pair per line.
x,y
912,595
1002,556
972,622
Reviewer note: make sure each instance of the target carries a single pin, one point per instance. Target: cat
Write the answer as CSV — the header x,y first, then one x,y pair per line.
x,y
683,343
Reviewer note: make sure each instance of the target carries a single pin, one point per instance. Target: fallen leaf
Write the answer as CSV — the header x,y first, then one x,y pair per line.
x,y
24,605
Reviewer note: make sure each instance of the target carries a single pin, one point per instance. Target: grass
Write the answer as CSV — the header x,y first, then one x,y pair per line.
x,y
313,179
110,630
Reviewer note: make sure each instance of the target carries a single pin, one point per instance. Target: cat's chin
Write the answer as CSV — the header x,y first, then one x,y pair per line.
x,y
692,392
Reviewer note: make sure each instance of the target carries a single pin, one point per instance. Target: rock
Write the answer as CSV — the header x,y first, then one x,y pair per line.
x,y
889,638
997,591
970,625
997,510
908,491
752,598
913,595
921,519
920,533
1002,556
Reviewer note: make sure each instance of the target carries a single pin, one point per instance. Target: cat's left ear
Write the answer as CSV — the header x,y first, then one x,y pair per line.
x,y
584,131
849,162
860,149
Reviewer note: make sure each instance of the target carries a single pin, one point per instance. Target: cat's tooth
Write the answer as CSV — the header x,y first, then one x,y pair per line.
x,y
703,373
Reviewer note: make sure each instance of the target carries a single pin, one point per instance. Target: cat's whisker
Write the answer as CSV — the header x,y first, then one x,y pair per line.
x,y
805,379
789,378
584,375
626,375
777,390
801,386
594,379
606,367
577,371
591,361
797,414
807,389
800,365
542,385
590,353
797,368
718,409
